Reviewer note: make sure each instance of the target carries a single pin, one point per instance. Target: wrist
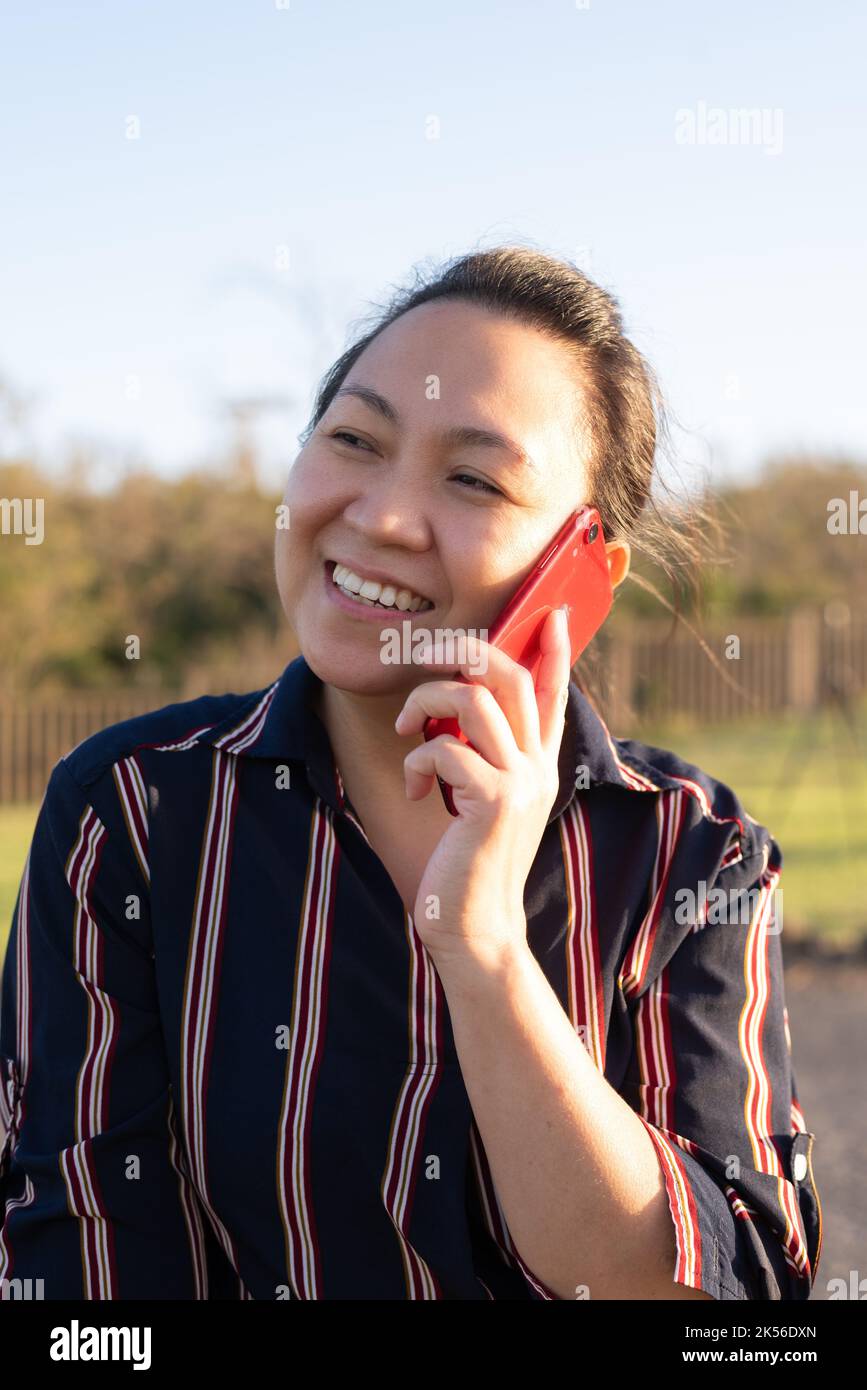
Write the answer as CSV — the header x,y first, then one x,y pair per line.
x,y
488,963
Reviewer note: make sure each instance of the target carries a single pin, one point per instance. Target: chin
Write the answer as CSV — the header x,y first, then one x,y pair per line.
x,y
346,667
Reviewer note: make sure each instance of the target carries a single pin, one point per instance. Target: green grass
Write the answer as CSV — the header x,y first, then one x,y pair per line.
x,y
16,828
806,780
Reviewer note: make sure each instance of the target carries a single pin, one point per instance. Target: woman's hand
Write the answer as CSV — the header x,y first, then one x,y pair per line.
x,y
471,897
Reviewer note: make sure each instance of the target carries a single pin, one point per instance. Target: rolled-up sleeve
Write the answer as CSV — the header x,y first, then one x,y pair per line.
x,y
713,1081
95,1196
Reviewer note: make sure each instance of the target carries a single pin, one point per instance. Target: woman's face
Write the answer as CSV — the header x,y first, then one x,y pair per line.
x,y
395,492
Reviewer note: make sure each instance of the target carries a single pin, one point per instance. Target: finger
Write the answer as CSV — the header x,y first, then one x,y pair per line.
x,y
448,758
474,707
508,681
552,678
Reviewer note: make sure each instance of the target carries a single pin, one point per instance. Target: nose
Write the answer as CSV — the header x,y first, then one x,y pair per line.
x,y
391,509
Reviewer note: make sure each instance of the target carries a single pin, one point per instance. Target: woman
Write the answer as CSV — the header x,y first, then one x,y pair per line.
x,y
277,1026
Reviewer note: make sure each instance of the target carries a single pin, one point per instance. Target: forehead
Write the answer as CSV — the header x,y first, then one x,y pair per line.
x,y
450,362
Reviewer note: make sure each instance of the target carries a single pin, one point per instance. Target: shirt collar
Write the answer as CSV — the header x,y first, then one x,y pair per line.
x,y
279,723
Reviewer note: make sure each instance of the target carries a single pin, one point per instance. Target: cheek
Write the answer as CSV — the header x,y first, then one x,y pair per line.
x,y
306,494
286,570
488,580
310,506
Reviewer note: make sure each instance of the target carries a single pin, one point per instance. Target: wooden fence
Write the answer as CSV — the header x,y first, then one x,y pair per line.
x,y
807,660
645,673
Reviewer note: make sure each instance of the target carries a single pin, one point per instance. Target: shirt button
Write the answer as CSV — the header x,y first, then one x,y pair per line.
x,y
799,1167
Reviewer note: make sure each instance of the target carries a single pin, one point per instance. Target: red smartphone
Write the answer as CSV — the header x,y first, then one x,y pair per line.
x,y
573,570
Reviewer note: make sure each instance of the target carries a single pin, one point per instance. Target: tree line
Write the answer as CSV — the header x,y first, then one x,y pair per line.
x,y
185,565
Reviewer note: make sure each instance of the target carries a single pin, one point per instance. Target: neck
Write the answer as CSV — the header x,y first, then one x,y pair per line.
x,y
366,746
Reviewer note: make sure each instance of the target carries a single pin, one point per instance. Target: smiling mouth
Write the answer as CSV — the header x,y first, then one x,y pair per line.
x,y
374,594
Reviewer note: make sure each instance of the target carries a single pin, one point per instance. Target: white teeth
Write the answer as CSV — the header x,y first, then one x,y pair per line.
x,y
370,591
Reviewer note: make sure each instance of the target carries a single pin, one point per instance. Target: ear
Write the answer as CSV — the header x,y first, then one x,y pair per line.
x,y
619,555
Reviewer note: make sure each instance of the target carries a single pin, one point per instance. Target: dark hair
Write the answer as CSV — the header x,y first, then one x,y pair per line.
x,y
625,420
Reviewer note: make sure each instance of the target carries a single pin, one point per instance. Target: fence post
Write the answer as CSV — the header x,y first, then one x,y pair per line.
x,y
803,658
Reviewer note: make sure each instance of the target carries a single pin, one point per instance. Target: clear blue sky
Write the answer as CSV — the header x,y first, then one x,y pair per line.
x,y
739,266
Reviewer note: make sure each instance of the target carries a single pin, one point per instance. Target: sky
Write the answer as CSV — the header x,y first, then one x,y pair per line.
x,y
199,201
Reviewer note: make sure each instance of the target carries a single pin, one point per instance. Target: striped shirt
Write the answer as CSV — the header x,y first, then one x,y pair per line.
x,y
227,1061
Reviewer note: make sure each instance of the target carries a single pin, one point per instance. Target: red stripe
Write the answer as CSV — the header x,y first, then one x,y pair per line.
x,y
667,1117
305,968
219,927
586,935
197,964
431,1080
88,927
407,1107
113,1290
759,1121
135,809
328,928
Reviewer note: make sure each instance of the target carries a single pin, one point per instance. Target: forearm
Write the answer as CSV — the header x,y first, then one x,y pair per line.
x,y
574,1168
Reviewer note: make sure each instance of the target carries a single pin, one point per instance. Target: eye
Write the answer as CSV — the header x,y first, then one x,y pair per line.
x,y
479,483
348,435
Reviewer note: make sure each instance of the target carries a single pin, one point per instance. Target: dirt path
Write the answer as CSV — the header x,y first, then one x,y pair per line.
x,y
828,1019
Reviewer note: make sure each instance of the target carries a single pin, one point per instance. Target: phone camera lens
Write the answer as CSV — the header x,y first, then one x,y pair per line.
x,y
593,532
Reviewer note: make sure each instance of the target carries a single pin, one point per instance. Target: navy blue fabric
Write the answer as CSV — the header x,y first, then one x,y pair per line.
x,y
214,1080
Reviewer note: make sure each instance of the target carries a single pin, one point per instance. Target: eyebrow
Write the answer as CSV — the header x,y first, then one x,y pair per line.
x,y
468,436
